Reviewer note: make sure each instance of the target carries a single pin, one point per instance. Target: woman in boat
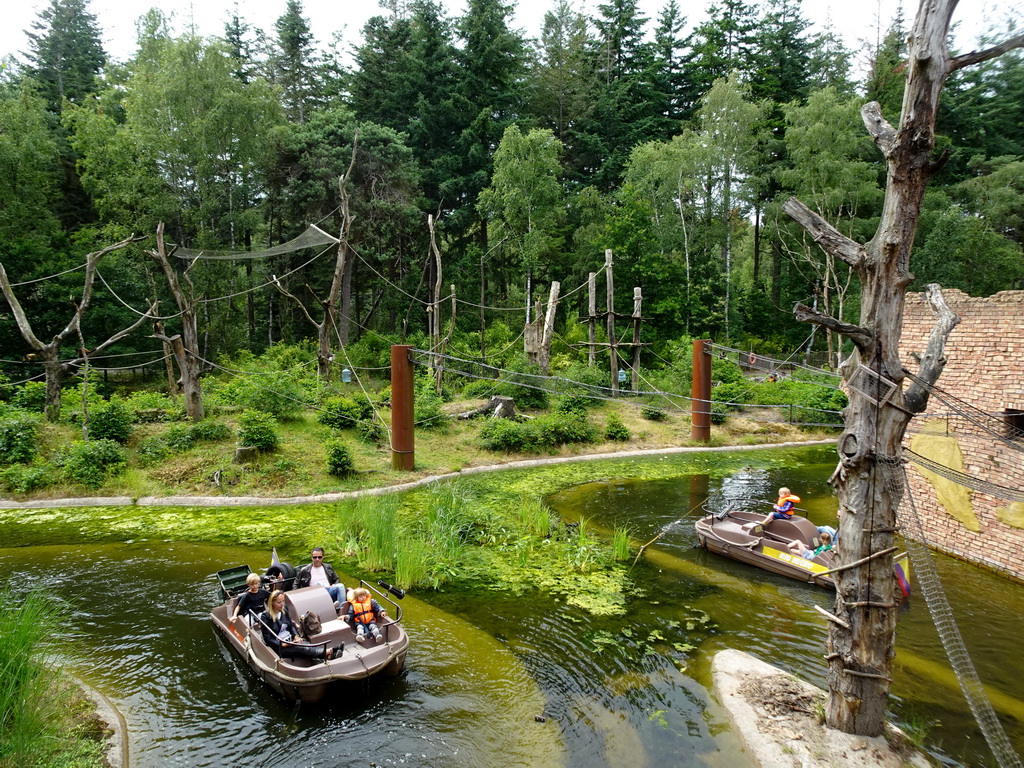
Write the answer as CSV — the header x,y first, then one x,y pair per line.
x,y
279,633
797,547
253,601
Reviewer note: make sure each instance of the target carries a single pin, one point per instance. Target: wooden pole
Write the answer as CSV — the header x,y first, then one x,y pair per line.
x,y
403,454
700,415
549,327
638,301
613,354
592,318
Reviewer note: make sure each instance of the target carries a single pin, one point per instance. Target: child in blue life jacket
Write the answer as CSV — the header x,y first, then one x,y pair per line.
x,y
783,509
363,615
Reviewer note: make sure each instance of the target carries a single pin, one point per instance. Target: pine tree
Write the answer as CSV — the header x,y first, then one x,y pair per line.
x,y
295,61
66,53
887,70
722,44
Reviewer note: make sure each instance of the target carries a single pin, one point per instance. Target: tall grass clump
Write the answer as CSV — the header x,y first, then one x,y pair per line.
x,y
620,544
580,549
413,562
26,704
535,517
378,516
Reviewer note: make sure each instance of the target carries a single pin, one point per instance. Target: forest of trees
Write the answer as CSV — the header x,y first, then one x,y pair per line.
x,y
673,145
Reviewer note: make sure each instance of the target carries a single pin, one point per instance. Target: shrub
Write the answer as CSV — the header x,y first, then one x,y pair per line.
x,y
280,395
339,459
543,433
574,402
372,432
719,413
427,411
343,412
153,450
651,413
731,396
25,479
19,434
179,438
154,406
615,430
30,396
258,429
91,462
480,388
111,421
209,430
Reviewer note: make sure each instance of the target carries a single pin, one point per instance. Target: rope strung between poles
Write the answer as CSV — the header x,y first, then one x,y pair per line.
x,y
927,578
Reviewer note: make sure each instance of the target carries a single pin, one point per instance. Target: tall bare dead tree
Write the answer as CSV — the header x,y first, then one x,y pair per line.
x,y
48,353
329,321
869,477
184,345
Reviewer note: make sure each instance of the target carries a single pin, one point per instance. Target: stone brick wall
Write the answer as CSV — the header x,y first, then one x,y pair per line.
x,y
985,370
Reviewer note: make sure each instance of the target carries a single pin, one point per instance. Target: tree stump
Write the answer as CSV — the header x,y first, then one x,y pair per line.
x,y
498,407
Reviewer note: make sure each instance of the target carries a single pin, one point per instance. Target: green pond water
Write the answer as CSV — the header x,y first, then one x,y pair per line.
x,y
509,680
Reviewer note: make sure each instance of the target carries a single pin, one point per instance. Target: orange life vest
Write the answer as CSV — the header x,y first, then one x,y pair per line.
x,y
363,612
785,504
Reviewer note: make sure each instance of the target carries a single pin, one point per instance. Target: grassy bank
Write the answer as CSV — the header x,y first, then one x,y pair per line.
x,y
45,721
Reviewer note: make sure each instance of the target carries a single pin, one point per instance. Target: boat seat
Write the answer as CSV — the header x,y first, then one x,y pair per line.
x,y
785,530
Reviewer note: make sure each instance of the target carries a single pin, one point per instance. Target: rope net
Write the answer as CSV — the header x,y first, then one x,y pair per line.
x,y
313,237
927,578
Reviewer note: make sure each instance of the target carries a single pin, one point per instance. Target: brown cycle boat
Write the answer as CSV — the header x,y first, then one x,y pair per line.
x,y
306,679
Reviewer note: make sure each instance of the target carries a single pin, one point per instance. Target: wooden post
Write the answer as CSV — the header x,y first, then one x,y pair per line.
x,y
403,454
549,328
439,373
638,301
700,403
434,311
613,354
592,318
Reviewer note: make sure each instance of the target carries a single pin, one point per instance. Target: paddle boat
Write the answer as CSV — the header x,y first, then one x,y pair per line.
x,y
737,532
309,679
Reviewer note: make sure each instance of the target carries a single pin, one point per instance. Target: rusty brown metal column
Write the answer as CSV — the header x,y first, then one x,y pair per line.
x,y
403,454
700,418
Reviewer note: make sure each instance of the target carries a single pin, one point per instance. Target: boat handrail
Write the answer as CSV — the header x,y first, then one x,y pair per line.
x,y
398,609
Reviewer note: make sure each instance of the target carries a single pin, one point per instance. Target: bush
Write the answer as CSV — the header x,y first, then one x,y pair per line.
x,y
344,412
91,462
719,413
18,438
731,396
372,432
615,430
209,430
31,396
427,411
153,450
111,421
258,429
339,459
154,406
478,388
280,395
543,433
575,402
25,479
651,413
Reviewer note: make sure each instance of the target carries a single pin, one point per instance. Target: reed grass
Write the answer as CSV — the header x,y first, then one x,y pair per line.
x,y
378,516
620,543
580,548
535,517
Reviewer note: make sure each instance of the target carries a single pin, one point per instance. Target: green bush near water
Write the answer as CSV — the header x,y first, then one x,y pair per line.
x,y
339,459
259,430
543,433
91,462
111,421
19,437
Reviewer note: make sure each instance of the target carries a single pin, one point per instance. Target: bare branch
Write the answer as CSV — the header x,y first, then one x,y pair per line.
x,y
124,332
976,57
19,313
286,292
861,337
824,234
934,358
879,128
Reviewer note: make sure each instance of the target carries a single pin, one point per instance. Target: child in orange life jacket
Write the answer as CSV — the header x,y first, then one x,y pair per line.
x,y
783,509
363,614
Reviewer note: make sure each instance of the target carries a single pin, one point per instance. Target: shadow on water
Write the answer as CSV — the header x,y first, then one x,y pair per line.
x,y
500,679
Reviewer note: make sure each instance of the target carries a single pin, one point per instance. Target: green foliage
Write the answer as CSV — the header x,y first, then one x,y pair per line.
x,y
371,432
620,543
615,430
543,433
480,388
154,450
154,406
92,462
652,413
732,396
111,421
21,478
575,403
19,435
258,429
30,396
427,412
339,458
342,412
281,395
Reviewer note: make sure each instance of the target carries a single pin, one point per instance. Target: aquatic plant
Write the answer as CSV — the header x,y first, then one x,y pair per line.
x,y
620,544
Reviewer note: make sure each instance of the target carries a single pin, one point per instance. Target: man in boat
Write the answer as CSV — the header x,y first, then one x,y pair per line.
x,y
319,573
783,508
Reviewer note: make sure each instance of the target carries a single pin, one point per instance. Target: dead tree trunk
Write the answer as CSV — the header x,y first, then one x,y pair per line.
x,y
49,353
868,479
184,346
342,272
